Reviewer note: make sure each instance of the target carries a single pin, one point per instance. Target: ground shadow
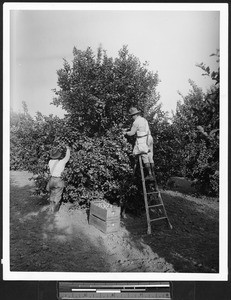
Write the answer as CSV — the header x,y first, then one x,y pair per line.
x,y
39,243
193,243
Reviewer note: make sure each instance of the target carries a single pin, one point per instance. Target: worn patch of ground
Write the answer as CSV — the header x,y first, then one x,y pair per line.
x,y
65,242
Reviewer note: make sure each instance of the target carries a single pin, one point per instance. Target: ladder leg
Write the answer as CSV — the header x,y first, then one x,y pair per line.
x,y
154,175
149,231
148,194
159,195
165,213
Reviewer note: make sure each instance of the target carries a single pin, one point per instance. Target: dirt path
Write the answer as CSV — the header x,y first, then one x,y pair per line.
x,y
65,242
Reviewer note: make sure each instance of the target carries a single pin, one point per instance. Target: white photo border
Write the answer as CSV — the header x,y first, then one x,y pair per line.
x,y
223,209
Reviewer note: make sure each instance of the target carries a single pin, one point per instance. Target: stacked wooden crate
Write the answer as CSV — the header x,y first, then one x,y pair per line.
x,y
104,216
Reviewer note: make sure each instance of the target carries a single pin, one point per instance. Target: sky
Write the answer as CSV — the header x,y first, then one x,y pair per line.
x,y
171,41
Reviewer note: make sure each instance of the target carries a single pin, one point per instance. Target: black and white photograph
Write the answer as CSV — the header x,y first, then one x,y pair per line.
x,y
115,122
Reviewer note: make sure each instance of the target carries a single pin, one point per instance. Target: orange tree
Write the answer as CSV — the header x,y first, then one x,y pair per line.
x,y
196,122
187,145
166,148
96,93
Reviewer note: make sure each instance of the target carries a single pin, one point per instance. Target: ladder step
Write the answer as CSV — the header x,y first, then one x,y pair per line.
x,y
157,219
155,205
149,185
154,192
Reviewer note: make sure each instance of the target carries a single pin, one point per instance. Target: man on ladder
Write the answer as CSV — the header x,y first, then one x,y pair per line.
x,y
144,141
144,150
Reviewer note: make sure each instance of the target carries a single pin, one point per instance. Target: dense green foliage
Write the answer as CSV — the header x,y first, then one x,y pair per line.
x,y
99,166
167,150
96,93
197,125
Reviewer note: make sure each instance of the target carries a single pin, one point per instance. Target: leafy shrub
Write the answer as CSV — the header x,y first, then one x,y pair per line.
x,y
197,123
99,167
96,93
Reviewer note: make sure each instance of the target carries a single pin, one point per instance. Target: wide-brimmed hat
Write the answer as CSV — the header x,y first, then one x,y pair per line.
x,y
133,111
55,154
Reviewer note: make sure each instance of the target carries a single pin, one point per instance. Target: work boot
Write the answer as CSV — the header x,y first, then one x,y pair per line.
x,y
149,177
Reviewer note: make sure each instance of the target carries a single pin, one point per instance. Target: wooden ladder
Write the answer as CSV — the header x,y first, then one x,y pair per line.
x,y
154,205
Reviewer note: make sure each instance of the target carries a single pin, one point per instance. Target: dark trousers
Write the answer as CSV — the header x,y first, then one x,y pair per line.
x,y
56,185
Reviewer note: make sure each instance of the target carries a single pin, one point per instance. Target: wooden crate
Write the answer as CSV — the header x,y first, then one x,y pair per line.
x,y
104,211
104,216
108,226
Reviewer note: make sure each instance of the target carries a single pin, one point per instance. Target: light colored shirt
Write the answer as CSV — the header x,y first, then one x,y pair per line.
x,y
140,127
59,164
